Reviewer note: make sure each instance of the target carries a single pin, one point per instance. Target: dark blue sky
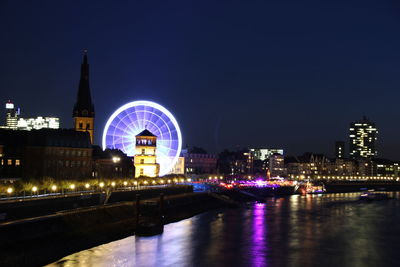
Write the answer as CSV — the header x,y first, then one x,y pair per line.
x,y
234,73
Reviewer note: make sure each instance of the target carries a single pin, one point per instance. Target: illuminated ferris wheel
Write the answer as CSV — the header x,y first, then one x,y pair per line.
x,y
132,118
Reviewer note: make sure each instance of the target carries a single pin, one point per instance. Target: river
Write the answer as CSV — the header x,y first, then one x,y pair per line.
x,y
313,230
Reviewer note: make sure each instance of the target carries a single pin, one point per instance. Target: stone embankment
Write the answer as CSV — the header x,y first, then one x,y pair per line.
x,y
42,240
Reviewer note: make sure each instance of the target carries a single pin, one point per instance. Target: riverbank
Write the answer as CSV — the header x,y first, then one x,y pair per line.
x,y
42,240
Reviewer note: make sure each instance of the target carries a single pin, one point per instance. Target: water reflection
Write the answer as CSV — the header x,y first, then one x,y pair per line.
x,y
312,230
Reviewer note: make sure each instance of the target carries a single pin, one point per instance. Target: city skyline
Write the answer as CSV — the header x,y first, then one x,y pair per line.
x,y
298,97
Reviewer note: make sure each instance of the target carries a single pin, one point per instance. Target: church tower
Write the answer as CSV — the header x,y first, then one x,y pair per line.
x,y
83,112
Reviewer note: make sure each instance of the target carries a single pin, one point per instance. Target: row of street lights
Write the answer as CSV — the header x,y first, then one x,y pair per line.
x,y
54,188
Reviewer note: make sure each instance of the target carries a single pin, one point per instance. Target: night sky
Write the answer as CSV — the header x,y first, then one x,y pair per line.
x,y
234,73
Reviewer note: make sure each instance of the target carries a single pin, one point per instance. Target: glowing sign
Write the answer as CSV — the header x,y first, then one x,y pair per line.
x,y
9,105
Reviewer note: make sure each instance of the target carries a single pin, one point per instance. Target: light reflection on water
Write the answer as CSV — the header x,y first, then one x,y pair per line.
x,y
312,230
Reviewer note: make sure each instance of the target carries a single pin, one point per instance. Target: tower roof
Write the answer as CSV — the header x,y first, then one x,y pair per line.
x,y
84,106
145,132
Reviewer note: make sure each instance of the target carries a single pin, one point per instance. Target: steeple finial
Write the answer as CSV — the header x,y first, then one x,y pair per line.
x,y
85,60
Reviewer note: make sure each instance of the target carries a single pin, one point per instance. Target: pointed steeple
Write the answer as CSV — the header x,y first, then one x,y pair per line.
x,y
83,106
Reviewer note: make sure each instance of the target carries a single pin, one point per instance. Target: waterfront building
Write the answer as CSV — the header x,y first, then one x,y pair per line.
x,y
198,161
339,149
55,153
308,165
363,135
233,162
83,112
38,123
145,159
111,164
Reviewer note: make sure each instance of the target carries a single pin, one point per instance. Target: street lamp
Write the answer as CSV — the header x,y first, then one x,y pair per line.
x,y
113,184
34,189
116,159
10,190
101,185
72,186
54,187
87,186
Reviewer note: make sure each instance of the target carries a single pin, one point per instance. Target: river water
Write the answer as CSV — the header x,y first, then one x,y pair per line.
x,y
312,230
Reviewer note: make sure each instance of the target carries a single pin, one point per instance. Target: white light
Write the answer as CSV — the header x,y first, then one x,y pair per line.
x,y
34,189
9,190
54,187
101,184
87,186
9,105
113,184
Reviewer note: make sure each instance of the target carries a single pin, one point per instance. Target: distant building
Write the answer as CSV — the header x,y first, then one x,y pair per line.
x,y
339,149
363,135
38,123
258,159
59,154
179,167
277,165
12,114
83,112
264,153
145,159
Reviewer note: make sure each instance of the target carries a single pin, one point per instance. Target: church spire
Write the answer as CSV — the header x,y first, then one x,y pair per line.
x,y
83,112
84,106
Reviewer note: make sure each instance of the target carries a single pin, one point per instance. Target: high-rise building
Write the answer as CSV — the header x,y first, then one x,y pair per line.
x,y
363,135
11,116
38,123
83,112
145,159
339,149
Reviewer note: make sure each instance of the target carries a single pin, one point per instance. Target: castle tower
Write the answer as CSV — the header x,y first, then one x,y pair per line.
x,y
83,112
145,159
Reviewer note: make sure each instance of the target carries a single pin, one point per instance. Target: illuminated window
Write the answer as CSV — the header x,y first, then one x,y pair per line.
x,y
142,161
17,162
9,161
141,171
143,151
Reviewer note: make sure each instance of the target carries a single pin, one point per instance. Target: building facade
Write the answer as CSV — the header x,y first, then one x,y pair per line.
x,y
111,164
363,136
200,163
83,112
145,159
58,154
